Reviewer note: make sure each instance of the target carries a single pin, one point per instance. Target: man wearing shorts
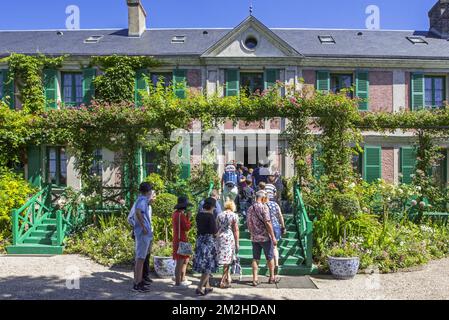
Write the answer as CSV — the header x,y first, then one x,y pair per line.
x,y
143,233
262,236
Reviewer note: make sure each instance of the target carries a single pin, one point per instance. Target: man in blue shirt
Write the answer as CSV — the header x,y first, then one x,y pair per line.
x,y
217,209
143,232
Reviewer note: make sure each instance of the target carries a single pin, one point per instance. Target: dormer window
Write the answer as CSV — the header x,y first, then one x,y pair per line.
x,y
93,39
326,39
417,40
178,39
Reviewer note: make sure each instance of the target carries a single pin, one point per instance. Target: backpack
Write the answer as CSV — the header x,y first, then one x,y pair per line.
x,y
230,175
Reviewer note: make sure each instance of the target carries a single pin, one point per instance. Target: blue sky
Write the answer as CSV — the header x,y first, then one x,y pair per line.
x,y
50,14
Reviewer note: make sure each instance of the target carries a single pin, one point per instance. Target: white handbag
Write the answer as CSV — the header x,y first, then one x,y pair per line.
x,y
184,248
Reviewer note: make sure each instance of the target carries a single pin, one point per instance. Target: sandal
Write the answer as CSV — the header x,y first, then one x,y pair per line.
x,y
200,293
276,280
256,283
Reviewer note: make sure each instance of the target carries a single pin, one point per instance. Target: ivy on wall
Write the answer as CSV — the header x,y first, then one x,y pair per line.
x,y
117,82
27,73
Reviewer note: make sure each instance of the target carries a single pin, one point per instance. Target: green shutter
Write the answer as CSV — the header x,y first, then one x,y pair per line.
x,y
88,85
7,93
140,86
185,167
139,165
417,91
372,164
50,88
271,76
35,166
232,82
323,81
317,165
362,89
407,164
180,83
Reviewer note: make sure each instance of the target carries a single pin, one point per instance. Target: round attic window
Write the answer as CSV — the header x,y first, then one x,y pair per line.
x,y
251,42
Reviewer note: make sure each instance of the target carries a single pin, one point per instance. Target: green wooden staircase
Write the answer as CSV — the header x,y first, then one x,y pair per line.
x,y
295,248
37,227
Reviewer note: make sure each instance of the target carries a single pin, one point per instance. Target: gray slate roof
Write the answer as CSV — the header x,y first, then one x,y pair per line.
x,y
157,42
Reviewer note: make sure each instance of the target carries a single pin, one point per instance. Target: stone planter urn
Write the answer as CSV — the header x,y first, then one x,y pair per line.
x,y
164,267
343,268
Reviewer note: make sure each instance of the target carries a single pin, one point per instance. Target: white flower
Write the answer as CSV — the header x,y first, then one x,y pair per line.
x,y
414,202
352,185
418,188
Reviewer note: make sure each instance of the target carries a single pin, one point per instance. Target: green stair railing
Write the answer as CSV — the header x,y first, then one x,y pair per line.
x,y
208,190
305,227
30,215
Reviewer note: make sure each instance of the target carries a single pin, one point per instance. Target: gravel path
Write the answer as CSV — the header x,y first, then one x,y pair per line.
x,y
32,277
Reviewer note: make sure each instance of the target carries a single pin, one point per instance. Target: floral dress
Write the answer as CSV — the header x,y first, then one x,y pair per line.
x,y
225,239
275,212
205,258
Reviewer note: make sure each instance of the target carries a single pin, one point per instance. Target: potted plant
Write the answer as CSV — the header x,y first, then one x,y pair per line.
x,y
343,258
164,265
163,207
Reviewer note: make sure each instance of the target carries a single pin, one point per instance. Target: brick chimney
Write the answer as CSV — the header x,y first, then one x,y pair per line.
x,y
137,18
439,18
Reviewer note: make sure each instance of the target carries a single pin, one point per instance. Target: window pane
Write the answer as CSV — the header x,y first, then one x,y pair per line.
x,y
67,92
97,164
341,81
439,97
438,83
428,83
429,97
346,81
150,163
252,82
63,167
51,165
165,77
79,88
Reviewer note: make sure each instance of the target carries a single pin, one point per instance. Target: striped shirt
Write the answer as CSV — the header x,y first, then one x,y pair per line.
x,y
271,190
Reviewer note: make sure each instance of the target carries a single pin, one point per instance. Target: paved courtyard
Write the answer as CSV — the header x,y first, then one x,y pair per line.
x,y
32,277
